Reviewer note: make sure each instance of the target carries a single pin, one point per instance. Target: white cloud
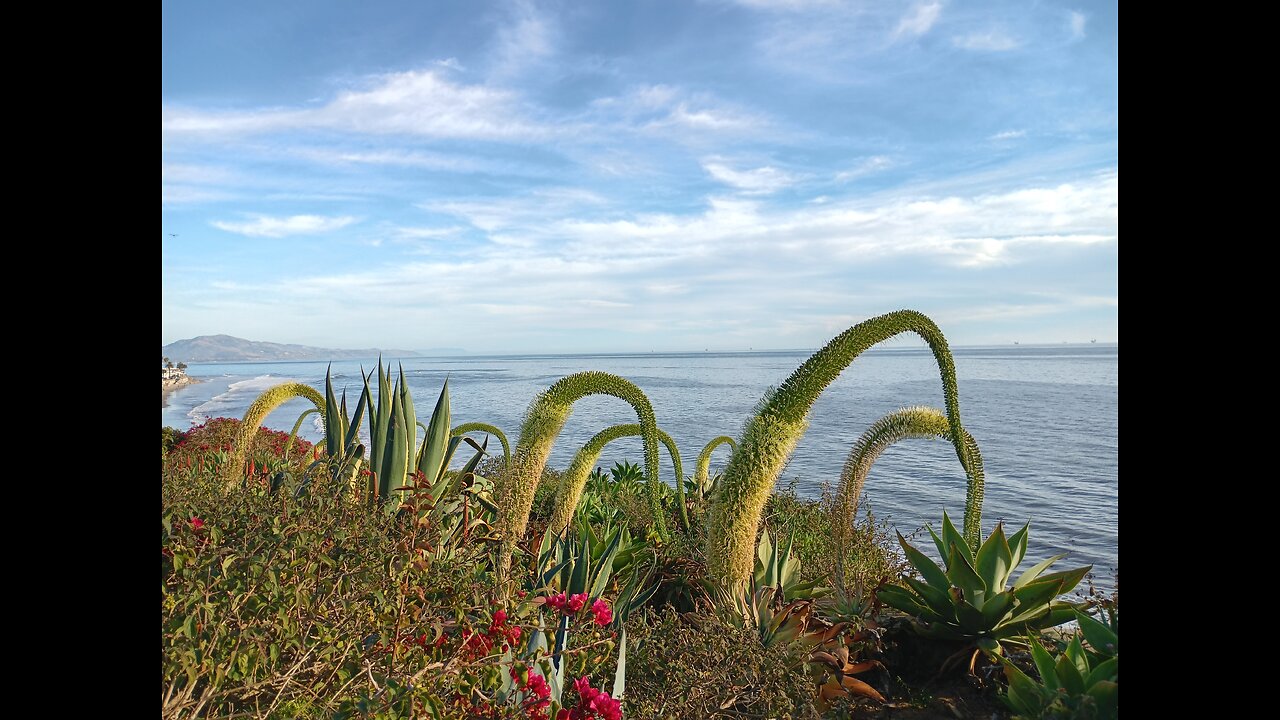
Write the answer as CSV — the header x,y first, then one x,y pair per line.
x,y
871,165
524,42
1075,22
417,102
451,63
267,226
919,20
662,107
994,40
1008,135
758,181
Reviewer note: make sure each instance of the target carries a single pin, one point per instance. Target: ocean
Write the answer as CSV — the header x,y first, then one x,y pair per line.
x,y
1044,416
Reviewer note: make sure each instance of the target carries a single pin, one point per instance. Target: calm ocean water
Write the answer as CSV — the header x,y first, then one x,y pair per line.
x,y
1045,417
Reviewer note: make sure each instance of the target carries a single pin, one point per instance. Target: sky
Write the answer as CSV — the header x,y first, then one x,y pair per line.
x,y
524,176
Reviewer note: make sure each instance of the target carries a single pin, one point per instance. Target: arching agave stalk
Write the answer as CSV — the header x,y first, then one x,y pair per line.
x,y
465,428
269,400
575,478
542,424
772,434
703,469
910,422
293,434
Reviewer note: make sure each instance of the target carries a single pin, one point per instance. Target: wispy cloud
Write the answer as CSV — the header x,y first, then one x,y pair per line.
x,y
523,41
870,166
1008,135
761,180
993,40
918,20
267,226
416,102
1075,24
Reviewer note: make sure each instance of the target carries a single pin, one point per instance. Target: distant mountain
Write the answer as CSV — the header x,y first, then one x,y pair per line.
x,y
224,348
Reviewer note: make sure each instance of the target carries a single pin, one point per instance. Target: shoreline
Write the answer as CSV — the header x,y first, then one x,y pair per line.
x,y
168,386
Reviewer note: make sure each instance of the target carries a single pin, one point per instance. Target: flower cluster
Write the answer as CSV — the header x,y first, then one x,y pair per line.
x,y
592,704
537,694
571,604
479,644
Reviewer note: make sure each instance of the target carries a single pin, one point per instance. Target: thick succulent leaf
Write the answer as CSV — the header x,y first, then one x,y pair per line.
x,y
1018,547
433,460
332,425
1059,613
1044,664
764,551
1107,671
1069,676
1034,571
620,677
896,597
1075,653
994,560
997,608
1070,578
961,573
857,687
1025,697
951,536
932,574
937,542
831,690
1098,635
970,618
409,426
1106,693
353,430
938,600
604,568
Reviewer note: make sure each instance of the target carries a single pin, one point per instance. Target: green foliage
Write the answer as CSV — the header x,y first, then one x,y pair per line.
x,y
971,600
778,568
575,477
781,419
693,665
168,438
269,400
911,422
1072,688
543,421
702,483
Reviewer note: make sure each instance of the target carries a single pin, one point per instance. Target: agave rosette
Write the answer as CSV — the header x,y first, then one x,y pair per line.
x,y
971,600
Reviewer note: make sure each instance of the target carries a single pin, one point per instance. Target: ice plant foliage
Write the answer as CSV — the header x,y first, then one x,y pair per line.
x,y
781,420
543,421
575,478
911,422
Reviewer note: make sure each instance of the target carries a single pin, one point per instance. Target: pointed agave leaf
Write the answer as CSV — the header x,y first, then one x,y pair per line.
x,y
896,597
1069,578
937,542
1105,693
1075,653
581,571
929,570
1025,697
332,425
1018,547
994,560
961,572
1033,599
951,536
353,430
938,600
620,677
604,568
1034,572
435,445
857,687
1044,664
764,551
969,617
786,564
1069,677
409,424
396,459
1107,671
1099,636
997,608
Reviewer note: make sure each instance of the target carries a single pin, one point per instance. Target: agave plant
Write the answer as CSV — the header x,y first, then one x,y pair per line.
x,y
702,483
971,601
1070,688
833,663
269,400
778,568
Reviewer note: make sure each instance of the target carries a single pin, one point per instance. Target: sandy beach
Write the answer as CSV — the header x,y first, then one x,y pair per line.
x,y
168,386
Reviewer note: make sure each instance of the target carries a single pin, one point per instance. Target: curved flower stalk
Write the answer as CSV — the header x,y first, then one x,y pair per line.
x,y
772,434
575,478
269,400
910,422
703,469
465,428
542,424
293,434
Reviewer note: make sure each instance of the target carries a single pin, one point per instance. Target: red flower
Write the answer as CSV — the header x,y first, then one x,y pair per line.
x,y
538,686
603,613
557,601
196,523
499,618
576,602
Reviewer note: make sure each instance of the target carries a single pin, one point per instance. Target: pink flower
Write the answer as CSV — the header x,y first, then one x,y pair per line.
x,y
583,686
577,601
557,601
538,686
499,618
603,613
196,523
607,707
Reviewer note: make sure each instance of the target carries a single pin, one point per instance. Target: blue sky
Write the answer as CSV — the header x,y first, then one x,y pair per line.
x,y
629,176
